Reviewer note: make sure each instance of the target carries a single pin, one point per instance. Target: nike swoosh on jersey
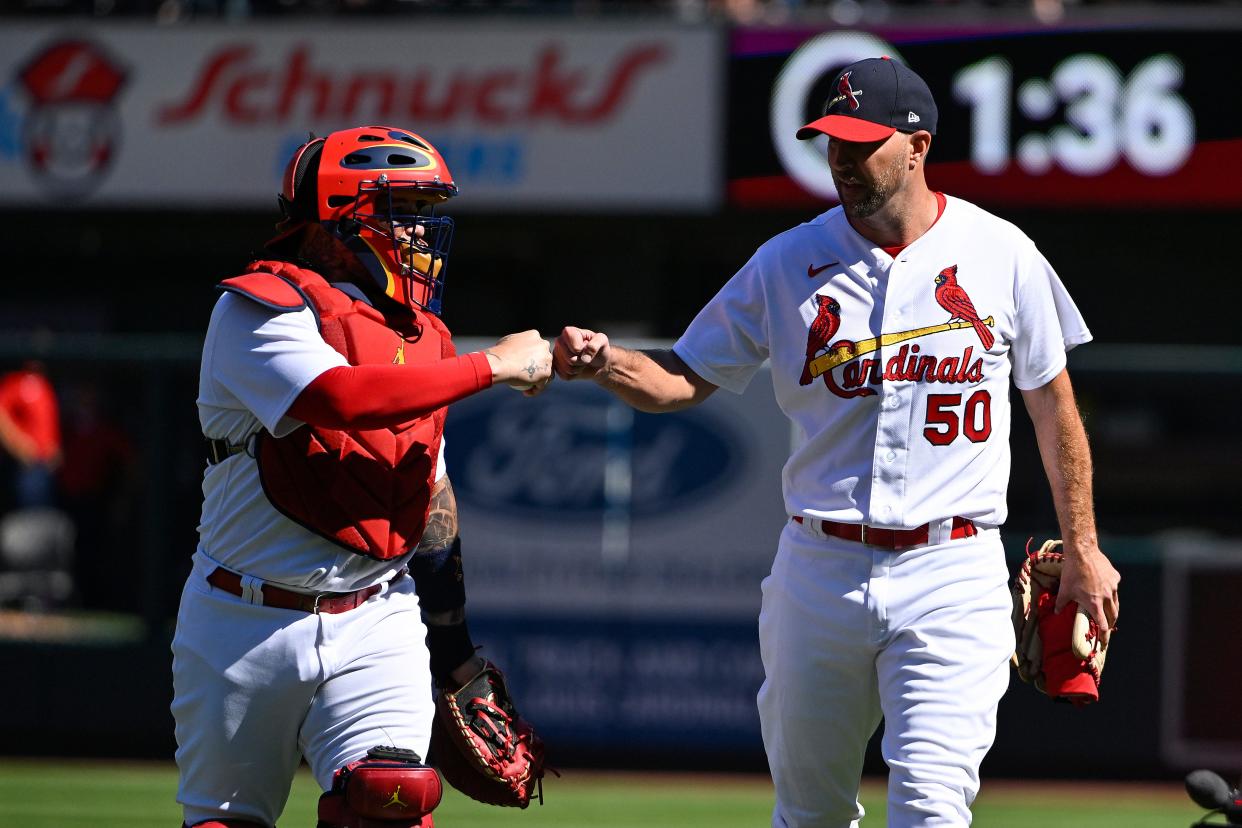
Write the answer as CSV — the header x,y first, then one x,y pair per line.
x,y
812,272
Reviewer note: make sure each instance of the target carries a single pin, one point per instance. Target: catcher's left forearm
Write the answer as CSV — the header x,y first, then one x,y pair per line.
x,y
441,525
1066,457
441,593
436,566
440,583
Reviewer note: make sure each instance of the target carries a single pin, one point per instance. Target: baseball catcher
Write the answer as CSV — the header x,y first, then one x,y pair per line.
x,y
1062,654
327,596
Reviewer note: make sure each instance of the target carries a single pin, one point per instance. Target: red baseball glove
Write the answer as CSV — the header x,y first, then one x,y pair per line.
x,y
482,746
1062,655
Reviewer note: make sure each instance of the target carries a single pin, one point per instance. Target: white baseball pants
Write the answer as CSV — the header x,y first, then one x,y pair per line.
x,y
849,634
257,688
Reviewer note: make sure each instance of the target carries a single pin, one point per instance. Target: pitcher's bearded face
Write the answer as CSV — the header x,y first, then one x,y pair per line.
x,y
867,174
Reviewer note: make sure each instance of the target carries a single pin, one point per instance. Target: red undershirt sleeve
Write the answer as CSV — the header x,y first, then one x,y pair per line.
x,y
378,396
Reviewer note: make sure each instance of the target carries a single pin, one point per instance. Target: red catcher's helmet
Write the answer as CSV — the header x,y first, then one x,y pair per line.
x,y
376,188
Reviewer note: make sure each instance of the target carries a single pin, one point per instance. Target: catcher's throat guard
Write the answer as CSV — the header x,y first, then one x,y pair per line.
x,y
390,788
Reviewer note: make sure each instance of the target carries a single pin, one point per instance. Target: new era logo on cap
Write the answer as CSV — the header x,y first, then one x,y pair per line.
x,y
872,99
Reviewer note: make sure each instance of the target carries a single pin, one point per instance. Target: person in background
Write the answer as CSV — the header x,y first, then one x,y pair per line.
x,y
30,435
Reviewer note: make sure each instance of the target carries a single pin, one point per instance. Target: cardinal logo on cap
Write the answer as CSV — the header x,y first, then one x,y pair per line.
x,y
848,93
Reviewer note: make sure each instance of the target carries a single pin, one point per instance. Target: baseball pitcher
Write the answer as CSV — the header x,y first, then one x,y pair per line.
x,y
894,324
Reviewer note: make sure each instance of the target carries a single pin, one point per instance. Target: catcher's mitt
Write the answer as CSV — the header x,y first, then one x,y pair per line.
x,y
482,746
1062,655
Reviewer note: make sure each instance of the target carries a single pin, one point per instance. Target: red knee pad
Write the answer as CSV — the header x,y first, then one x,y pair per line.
x,y
225,823
391,788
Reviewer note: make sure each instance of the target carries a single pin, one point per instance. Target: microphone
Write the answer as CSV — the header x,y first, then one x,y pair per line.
x,y
1210,791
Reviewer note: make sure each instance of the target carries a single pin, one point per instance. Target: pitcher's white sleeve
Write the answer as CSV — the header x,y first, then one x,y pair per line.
x,y
1048,324
728,340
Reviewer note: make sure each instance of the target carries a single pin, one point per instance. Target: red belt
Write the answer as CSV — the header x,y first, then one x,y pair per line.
x,y
890,538
274,596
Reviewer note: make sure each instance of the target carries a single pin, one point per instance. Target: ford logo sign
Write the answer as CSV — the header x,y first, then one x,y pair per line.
x,y
576,451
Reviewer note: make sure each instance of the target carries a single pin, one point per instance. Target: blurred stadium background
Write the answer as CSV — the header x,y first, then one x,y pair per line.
x,y
617,161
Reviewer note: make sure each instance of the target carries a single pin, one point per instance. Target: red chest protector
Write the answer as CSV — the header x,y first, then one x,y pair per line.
x,y
367,490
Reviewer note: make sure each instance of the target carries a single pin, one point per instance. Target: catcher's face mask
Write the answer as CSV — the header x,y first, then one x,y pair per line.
x,y
394,232
376,189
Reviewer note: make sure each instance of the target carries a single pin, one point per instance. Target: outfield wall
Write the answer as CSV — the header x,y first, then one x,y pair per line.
x,y
613,562
641,693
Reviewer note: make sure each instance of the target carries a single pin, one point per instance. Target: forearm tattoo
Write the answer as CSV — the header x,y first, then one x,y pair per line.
x,y
438,536
441,518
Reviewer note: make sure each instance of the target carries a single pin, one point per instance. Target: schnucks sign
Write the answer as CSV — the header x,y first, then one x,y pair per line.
x,y
551,116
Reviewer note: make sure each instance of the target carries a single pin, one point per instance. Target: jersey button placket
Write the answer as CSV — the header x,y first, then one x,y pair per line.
x,y
887,481
881,472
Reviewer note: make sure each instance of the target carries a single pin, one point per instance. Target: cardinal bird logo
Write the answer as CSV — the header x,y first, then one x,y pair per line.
x,y
827,321
848,92
953,298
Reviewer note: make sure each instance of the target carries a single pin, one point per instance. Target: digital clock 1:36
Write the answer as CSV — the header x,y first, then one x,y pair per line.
x,y
1104,116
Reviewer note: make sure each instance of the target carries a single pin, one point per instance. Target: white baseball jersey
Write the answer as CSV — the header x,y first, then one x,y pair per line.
x,y
895,372
254,366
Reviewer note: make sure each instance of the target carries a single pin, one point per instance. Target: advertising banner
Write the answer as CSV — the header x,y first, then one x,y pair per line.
x,y
613,559
579,504
546,115
1029,116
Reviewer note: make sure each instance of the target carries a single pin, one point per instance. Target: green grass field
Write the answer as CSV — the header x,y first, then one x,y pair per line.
x,y
103,795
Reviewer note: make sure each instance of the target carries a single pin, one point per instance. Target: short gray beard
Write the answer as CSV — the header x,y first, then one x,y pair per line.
x,y
879,193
